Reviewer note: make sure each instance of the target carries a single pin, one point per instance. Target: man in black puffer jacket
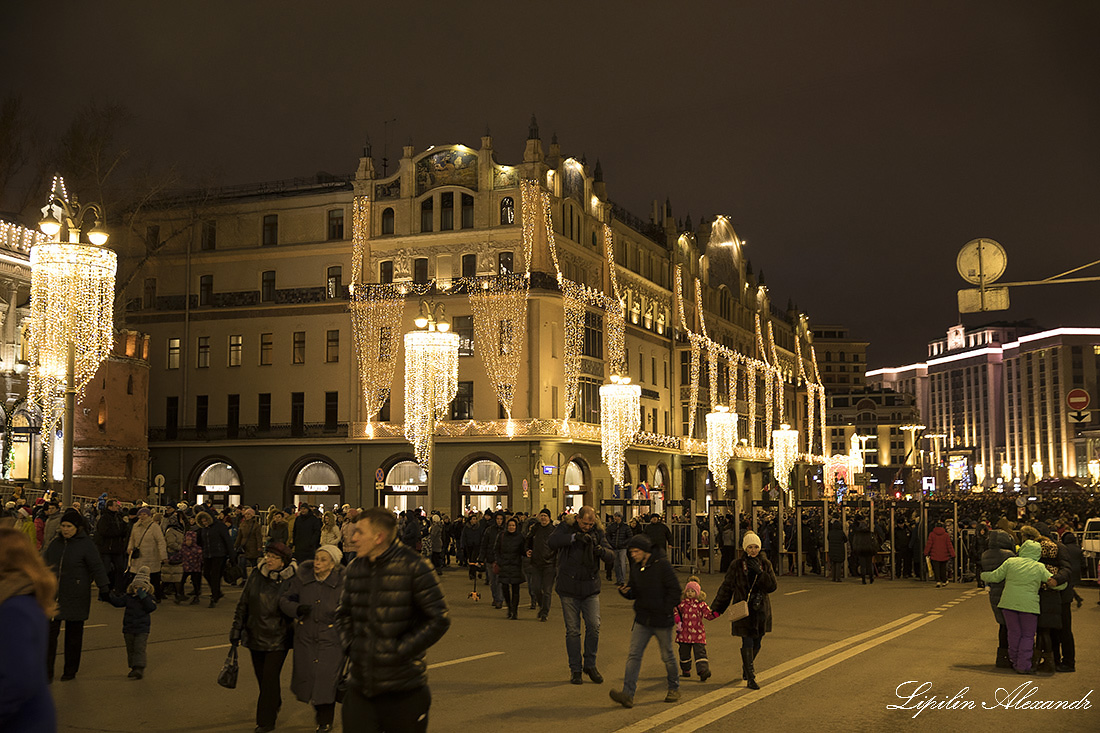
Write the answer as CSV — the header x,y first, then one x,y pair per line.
x,y
391,610
1001,547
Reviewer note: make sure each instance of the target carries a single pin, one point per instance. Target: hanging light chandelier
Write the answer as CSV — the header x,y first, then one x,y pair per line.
x,y
620,421
431,378
721,439
784,452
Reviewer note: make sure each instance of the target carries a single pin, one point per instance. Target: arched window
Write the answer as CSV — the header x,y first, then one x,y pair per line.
x,y
427,214
387,220
219,476
507,211
317,476
467,211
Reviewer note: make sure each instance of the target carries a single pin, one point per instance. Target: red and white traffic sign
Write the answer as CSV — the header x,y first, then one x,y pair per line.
x,y
1078,399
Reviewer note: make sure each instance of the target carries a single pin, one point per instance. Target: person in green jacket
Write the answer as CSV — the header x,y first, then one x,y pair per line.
x,y
1022,577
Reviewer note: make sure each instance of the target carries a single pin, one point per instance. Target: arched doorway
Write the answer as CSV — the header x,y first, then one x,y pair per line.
x,y
576,485
220,483
405,487
25,445
484,486
316,482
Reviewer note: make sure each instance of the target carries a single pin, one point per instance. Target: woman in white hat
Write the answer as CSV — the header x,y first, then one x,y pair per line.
x,y
750,578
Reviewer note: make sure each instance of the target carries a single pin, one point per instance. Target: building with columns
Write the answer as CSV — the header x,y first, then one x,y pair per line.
x,y
276,311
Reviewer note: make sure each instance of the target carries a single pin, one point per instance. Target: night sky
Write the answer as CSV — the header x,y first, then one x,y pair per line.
x,y
857,146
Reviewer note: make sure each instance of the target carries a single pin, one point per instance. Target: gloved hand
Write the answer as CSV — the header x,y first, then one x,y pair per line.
x,y
142,593
754,563
235,637
303,610
105,594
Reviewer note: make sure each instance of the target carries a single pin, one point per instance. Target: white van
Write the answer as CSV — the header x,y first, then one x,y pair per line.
x,y
1090,544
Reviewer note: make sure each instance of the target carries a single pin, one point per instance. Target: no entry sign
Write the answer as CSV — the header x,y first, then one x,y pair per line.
x,y
1077,399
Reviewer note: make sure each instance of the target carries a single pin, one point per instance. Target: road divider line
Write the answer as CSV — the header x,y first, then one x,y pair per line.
x,y
94,626
796,592
733,706
688,706
448,663
208,648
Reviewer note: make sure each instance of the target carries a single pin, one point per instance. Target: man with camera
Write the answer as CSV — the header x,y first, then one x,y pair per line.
x,y
581,548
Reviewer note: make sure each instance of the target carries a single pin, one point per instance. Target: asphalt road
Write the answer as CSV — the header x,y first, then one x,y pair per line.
x,y
834,661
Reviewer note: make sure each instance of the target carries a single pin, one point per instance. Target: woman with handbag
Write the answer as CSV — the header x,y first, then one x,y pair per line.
x,y
747,584
310,599
147,548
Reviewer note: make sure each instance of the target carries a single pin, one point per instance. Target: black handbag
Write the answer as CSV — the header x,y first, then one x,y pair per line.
x,y
344,681
228,676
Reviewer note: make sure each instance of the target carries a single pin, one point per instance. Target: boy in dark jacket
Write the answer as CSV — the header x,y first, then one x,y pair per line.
x,y
656,592
138,602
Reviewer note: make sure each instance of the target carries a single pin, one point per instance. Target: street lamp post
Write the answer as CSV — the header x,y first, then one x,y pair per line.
x,y
71,327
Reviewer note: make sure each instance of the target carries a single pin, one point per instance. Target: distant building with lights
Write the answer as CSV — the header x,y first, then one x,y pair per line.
x,y
255,392
998,394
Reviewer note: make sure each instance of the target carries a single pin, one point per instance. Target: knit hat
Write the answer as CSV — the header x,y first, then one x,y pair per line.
x,y
144,512
546,511
640,542
692,585
141,580
73,517
278,548
435,518
333,552
750,538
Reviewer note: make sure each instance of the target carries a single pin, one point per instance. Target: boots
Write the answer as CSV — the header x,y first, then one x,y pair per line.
x,y
746,666
703,668
685,669
1003,660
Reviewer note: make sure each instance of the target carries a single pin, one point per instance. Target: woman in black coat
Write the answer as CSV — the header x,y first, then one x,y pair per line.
x,y
750,578
837,540
1000,547
75,559
864,546
264,630
511,547
216,545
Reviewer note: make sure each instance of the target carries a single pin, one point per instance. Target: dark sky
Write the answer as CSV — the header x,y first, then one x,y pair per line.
x,y
855,145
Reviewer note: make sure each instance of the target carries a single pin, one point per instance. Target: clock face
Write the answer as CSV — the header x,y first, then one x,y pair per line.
x,y
956,338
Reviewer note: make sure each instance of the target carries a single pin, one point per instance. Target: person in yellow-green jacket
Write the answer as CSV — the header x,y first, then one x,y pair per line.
x,y
1022,577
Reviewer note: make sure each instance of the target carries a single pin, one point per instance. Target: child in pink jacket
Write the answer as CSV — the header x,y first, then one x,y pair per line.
x,y
690,634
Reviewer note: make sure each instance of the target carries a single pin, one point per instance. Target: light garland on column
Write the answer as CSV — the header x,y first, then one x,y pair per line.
x,y
620,421
694,403
721,439
784,453
376,311
360,233
431,383
500,327
616,311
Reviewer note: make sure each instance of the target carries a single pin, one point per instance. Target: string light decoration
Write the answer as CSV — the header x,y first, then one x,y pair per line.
x,y
360,233
784,454
500,328
72,304
837,468
431,379
616,310
721,439
376,311
620,421
694,395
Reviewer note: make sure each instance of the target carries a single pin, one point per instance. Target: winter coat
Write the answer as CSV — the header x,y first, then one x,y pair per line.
x,y
837,540
135,619
435,537
1050,599
689,617
306,535
391,610
1022,577
111,533
655,590
318,653
148,538
172,572
538,542
278,532
618,534
345,535
735,588
76,563
659,534
939,547
249,539
258,623
1001,547
863,540
487,551
510,551
471,540
51,526
1076,559
191,554
214,540
330,535
25,701
579,558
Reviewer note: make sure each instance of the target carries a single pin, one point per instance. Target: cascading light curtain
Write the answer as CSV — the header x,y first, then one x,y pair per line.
x,y
431,383
721,439
620,421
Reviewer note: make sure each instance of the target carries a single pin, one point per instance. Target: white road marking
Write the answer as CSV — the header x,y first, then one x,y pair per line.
x,y
745,700
796,592
94,626
684,708
448,663
207,648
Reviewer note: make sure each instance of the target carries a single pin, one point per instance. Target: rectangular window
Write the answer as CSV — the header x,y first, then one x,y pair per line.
x,y
469,265
335,288
172,418
271,230
267,287
336,224
298,353
236,344
206,290
641,367
385,272
385,341
297,413
464,327
446,211
150,298
467,211
152,236
332,409
332,347
202,412
427,215
232,415
209,238
384,413
420,270
588,401
504,262
653,370
593,336
203,352
263,412
462,408
173,353
267,344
